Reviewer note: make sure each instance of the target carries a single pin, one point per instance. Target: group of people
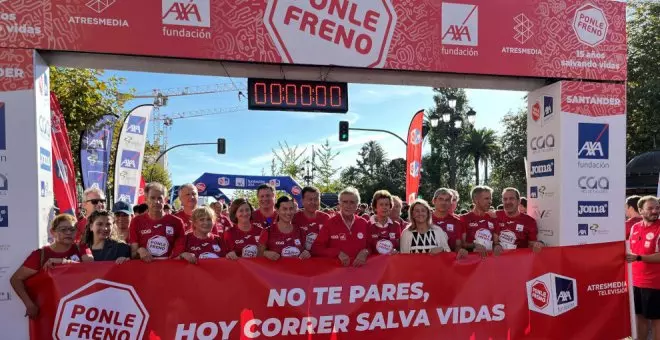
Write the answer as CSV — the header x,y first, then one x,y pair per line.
x,y
279,229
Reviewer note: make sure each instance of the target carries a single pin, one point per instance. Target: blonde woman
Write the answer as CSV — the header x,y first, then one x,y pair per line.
x,y
201,243
102,237
421,236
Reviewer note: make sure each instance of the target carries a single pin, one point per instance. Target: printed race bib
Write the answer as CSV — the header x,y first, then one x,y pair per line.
x,y
508,239
158,245
520,227
169,230
290,252
485,238
208,255
450,227
249,251
74,258
309,240
384,247
216,248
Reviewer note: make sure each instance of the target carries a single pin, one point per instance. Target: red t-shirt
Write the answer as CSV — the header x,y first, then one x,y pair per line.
x,y
209,248
479,228
74,253
263,221
515,232
222,223
159,237
453,227
244,244
287,245
186,219
384,238
645,240
336,237
310,227
80,227
629,223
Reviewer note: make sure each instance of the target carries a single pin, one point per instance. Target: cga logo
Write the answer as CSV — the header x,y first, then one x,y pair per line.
x,y
542,143
136,125
187,12
130,159
460,24
551,294
593,141
545,168
44,159
593,184
593,209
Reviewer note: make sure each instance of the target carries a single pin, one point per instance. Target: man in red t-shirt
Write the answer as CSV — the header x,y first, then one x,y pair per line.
x,y
514,229
455,198
480,233
632,213
266,214
154,234
345,235
189,197
645,256
94,200
310,219
443,200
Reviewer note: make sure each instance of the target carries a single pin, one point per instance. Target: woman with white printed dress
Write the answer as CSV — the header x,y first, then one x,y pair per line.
x,y
421,236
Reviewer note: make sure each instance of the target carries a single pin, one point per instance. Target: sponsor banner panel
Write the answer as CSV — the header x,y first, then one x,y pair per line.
x,y
212,184
130,154
16,67
95,147
548,296
414,156
538,38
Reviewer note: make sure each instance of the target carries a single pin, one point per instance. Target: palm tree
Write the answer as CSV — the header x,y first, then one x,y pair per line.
x,y
481,145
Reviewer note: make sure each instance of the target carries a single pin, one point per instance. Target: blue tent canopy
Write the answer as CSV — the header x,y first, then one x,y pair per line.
x,y
212,184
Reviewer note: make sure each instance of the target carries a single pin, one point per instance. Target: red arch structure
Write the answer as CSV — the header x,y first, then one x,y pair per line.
x,y
571,55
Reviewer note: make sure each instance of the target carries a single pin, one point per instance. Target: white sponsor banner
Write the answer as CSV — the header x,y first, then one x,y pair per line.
x,y
130,154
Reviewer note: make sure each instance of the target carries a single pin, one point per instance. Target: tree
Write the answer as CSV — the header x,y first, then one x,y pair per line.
x,y
643,90
481,145
509,163
326,180
154,172
289,161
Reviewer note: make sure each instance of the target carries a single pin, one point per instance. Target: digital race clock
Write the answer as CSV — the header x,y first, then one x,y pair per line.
x,y
294,95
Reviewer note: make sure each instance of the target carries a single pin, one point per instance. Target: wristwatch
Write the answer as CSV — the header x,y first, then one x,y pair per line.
x,y
639,258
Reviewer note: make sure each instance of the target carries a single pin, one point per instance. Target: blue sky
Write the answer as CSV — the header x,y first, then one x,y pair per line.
x,y
251,135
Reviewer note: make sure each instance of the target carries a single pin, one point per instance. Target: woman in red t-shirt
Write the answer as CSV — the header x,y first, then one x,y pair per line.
x,y
283,239
242,239
201,243
63,250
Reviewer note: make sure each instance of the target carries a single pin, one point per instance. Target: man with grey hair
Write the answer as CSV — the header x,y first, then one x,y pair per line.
x,y
442,217
395,212
514,229
93,200
456,197
480,226
188,196
344,236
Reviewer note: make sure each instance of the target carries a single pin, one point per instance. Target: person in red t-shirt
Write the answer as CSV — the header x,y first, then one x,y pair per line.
x,y
384,234
283,239
345,235
310,219
222,222
632,213
189,198
63,250
455,198
266,215
480,233
395,212
645,256
242,240
154,234
201,243
94,200
515,230
443,200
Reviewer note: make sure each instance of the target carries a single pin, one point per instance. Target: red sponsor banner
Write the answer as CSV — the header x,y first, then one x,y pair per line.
x,y
414,155
565,39
562,293
16,69
593,99
141,199
64,178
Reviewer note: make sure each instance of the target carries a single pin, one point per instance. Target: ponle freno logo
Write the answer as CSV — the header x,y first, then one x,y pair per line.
x,y
101,309
552,294
590,25
347,33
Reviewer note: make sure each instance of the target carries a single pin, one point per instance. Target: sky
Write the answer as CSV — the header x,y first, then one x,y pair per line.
x,y
251,135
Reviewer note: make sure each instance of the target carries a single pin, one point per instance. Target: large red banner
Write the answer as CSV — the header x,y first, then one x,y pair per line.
x,y
536,38
64,177
414,155
561,293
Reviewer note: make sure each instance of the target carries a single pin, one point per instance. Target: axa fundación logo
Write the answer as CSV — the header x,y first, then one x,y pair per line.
x,y
593,145
460,27
552,294
192,18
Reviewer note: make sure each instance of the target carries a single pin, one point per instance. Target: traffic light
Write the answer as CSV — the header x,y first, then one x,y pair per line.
x,y
343,131
221,146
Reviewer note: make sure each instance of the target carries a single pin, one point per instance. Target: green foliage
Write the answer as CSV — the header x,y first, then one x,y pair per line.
x,y
156,173
509,163
288,161
481,145
325,174
643,90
